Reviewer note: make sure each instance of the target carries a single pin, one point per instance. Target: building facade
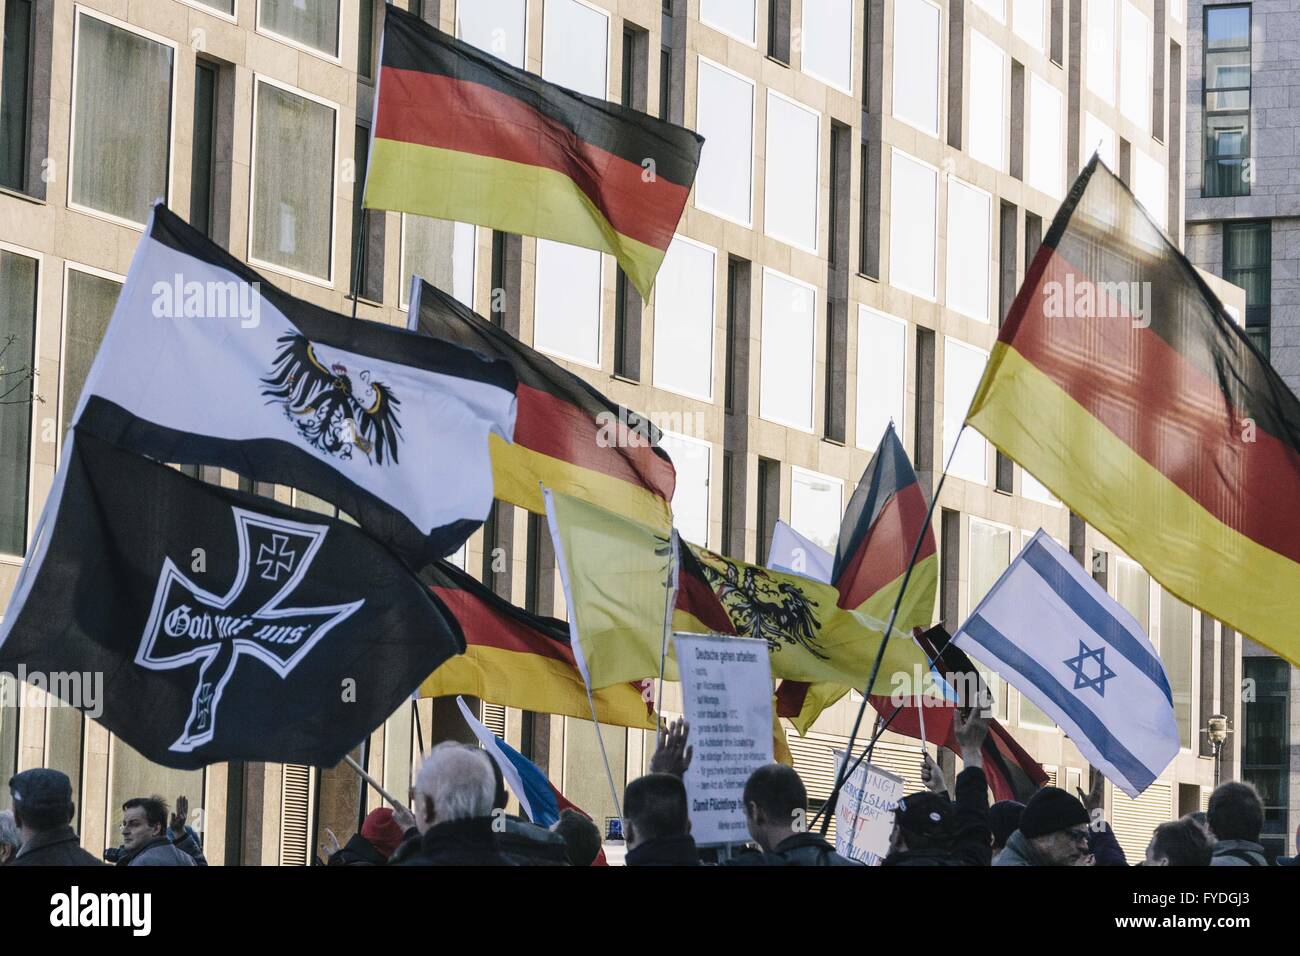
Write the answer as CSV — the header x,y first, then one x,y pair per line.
x,y
1243,223
877,175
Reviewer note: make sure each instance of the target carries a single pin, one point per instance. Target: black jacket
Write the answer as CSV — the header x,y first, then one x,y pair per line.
x,y
971,840
459,843
802,849
528,844
667,851
358,851
58,847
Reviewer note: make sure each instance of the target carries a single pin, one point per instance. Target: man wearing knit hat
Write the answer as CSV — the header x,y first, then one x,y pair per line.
x,y
931,830
1053,832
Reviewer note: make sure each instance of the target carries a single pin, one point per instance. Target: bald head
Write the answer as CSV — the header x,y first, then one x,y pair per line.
x,y
454,782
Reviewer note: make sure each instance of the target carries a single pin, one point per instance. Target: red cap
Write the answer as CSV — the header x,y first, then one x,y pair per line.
x,y
382,831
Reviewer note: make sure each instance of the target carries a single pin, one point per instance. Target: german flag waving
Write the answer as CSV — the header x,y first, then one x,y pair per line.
x,y
459,134
567,436
1121,383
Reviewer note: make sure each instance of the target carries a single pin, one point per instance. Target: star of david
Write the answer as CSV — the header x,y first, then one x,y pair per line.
x,y
1082,680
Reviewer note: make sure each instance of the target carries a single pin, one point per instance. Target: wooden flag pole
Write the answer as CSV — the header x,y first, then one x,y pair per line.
x,y
373,782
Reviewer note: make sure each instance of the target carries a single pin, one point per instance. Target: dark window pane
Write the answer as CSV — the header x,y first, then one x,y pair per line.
x,y
1227,27
366,40
14,91
17,341
204,159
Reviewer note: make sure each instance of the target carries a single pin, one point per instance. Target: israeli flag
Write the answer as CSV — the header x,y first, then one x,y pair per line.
x,y
1055,635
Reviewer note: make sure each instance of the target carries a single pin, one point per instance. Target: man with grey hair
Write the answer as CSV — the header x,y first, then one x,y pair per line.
x,y
10,841
453,809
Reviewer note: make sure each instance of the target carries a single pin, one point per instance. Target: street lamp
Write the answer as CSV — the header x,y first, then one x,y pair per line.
x,y
1217,731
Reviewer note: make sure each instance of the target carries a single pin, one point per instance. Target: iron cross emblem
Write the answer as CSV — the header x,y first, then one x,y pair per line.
x,y
189,624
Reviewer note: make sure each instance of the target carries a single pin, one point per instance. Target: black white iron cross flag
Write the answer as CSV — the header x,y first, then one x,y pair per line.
x,y
226,626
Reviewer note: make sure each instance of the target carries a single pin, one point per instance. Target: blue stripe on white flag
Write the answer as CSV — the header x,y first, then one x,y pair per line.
x,y
997,644
1089,610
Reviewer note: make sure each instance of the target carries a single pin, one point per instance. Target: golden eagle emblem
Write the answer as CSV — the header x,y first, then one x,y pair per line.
x,y
760,605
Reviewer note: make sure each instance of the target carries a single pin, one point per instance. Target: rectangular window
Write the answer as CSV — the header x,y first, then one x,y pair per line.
x,y
88,300
498,27
221,6
366,39
916,64
636,65
1100,139
683,320
15,92
121,119
361,239
313,26
1046,139
627,326
816,507
733,17
1004,473
567,301
768,504
19,276
1266,738
738,292
788,342
672,61
913,225
988,69
1029,21
1008,233
882,375
1176,655
575,47
1151,187
1135,66
869,210
692,459
970,253
990,555
1035,490
827,42
1133,591
293,181
1033,238
1226,101
725,118
1101,49
203,159
778,30
790,183
730,533
440,252
1248,262
963,366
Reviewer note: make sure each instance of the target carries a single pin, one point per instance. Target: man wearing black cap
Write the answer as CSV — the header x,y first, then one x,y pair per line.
x,y
931,830
43,811
1053,832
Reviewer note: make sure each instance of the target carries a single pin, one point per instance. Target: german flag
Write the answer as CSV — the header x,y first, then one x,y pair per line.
x,y
519,659
885,516
1121,383
568,436
459,134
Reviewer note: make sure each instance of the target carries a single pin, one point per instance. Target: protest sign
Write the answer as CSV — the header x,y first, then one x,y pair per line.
x,y
864,813
727,699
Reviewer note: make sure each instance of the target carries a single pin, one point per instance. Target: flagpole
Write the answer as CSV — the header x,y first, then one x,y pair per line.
x,y
670,603
347,759
841,776
604,756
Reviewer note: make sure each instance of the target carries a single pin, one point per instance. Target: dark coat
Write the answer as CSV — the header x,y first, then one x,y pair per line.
x,y
971,843
57,847
666,851
159,851
459,843
527,844
358,852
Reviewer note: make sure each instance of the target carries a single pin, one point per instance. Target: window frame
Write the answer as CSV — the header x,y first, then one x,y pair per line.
x,y
795,472
767,132
72,266
528,9
1206,91
73,205
232,17
403,288
1002,708
812,384
752,44
710,395
328,283
708,481
933,294
336,57
609,40
803,60
753,120
946,452
935,133
987,317
600,310
970,92
37,329
900,426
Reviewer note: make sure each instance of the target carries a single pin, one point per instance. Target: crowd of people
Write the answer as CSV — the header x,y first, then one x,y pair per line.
x,y
458,818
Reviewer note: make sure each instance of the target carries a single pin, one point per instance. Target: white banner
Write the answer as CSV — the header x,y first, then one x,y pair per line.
x,y
727,699
864,813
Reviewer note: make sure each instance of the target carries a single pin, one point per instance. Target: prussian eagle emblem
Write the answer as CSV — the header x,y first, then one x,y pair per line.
x,y
330,408
762,606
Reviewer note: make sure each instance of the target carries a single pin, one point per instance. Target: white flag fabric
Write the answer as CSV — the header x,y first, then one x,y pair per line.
x,y
793,553
1054,634
204,362
508,770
